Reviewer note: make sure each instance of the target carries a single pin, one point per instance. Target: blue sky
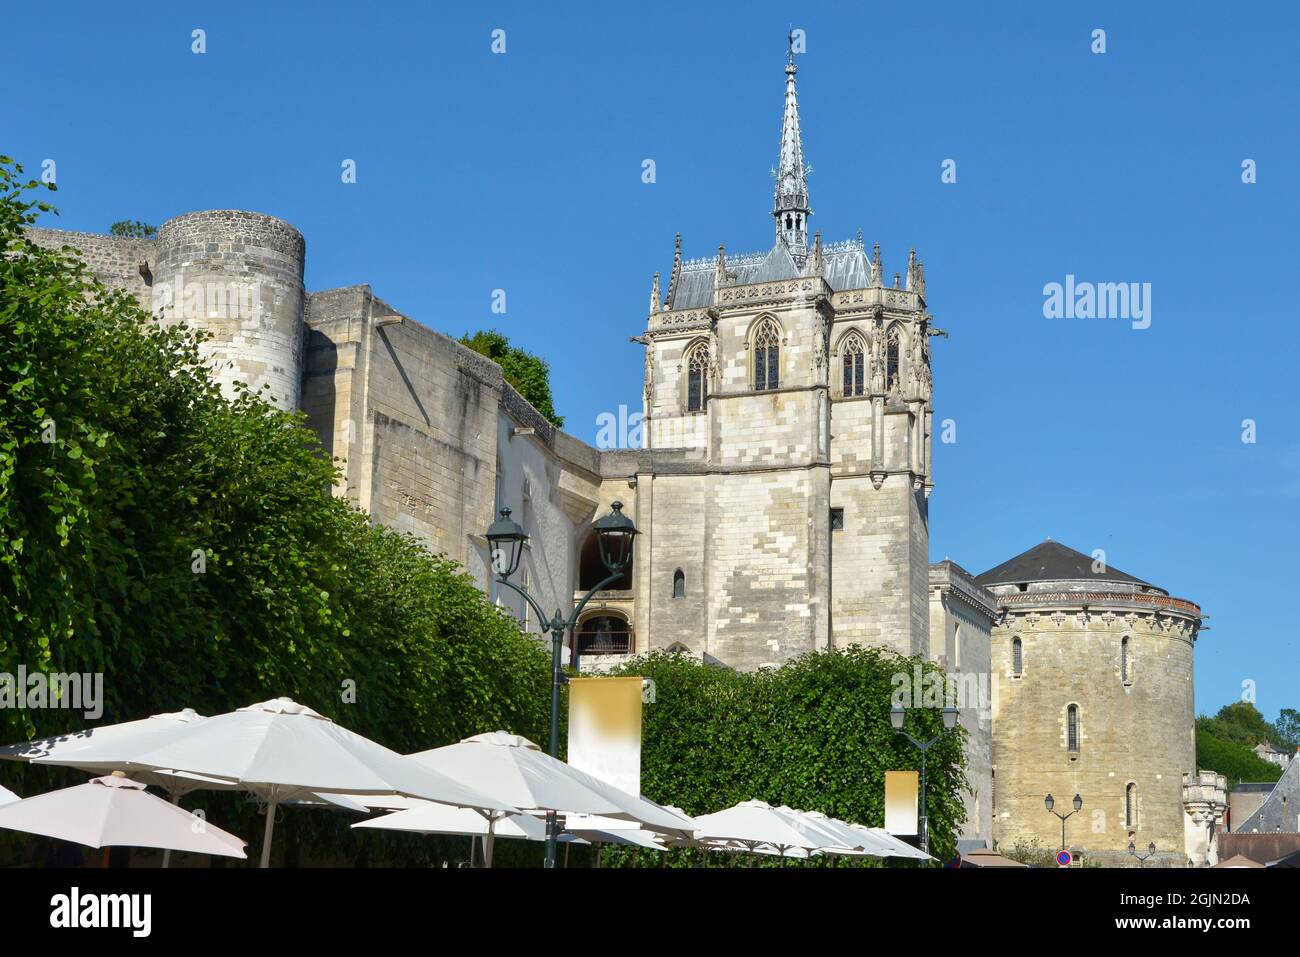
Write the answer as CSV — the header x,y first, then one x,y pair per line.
x,y
522,172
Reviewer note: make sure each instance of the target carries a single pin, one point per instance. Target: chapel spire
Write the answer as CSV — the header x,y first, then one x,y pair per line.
x,y
791,208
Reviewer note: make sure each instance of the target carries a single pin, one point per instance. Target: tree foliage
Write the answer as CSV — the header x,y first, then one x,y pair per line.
x,y
1225,743
530,375
133,229
814,735
185,545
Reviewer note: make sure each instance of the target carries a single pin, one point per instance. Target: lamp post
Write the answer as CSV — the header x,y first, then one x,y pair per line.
x,y
614,535
1142,858
1078,806
897,716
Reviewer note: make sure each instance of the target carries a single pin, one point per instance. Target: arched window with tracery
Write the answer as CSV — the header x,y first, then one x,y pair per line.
x,y
697,378
853,360
767,356
892,373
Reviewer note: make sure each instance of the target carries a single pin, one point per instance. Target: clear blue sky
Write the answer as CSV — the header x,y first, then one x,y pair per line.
x,y
523,172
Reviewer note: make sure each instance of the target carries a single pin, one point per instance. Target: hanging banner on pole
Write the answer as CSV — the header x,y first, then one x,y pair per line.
x,y
605,730
901,790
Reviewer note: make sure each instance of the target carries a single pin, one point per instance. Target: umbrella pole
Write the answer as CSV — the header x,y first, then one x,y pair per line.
x,y
266,835
599,850
167,852
489,840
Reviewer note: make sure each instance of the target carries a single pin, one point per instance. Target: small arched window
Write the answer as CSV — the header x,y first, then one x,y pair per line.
x,y
1017,657
697,388
1130,805
767,356
853,360
1123,660
1072,728
891,360
679,584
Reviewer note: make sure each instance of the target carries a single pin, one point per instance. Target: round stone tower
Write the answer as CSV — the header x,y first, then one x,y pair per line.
x,y
1093,676
237,275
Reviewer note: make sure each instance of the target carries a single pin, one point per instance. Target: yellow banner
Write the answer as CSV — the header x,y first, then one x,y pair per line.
x,y
605,730
901,790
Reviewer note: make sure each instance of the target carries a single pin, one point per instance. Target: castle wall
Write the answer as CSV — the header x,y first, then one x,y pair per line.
x,y
238,276
115,260
767,566
1139,731
961,618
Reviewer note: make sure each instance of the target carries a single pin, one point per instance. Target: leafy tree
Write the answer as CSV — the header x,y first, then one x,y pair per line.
x,y
1217,750
1242,722
530,375
133,228
184,545
1288,729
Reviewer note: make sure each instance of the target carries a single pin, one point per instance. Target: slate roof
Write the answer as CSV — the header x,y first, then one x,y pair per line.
x,y
1052,561
844,266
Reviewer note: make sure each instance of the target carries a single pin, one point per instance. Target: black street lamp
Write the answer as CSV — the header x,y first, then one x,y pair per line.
x,y
614,535
897,716
1142,858
1078,806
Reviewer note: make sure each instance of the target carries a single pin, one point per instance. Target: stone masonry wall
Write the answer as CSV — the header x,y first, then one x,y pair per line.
x,y
1138,731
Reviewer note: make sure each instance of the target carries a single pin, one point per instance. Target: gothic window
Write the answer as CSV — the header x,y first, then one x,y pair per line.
x,y
1123,660
679,584
767,356
1072,728
1017,657
854,362
1130,805
891,360
697,389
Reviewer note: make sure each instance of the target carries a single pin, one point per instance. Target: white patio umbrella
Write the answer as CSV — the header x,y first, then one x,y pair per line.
x,y
840,837
896,847
429,818
517,771
79,749
752,824
113,811
61,749
7,796
280,750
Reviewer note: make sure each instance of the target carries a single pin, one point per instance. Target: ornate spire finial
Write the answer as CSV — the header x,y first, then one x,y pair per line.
x,y
677,272
720,269
817,254
791,209
654,295
877,271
